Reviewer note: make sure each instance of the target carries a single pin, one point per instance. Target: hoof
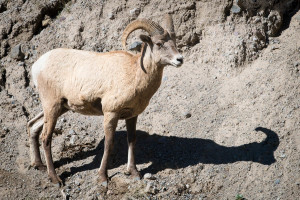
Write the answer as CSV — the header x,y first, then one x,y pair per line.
x,y
102,179
39,166
104,184
127,173
56,181
134,173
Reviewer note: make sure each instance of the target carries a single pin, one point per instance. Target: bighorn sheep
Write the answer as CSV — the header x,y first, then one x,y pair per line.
x,y
116,84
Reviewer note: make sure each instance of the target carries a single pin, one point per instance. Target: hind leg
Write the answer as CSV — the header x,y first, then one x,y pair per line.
x,y
51,113
34,128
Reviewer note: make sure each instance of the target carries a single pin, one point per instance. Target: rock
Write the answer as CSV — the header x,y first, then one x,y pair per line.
x,y
77,190
136,46
195,189
73,139
282,155
46,22
135,11
78,181
72,132
111,16
190,170
201,167
277,181
149,176
21,64
296,64
187,114
17,53
235,9
65,194
151,189
180,188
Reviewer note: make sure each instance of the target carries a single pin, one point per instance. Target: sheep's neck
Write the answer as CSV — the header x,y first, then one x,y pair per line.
x,y
149,75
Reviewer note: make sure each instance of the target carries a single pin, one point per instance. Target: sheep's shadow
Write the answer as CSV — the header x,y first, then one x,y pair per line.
x,y
176,152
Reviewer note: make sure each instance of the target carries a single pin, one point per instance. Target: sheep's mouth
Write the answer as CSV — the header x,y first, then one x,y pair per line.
x,y
177,65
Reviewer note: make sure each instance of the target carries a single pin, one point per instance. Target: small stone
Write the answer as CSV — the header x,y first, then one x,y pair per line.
x,y
201,167
190,171
277,181
282,155
62,18
195,189
111,16
296,64
65,194
78,182
77,190
256,20
17,53
149,176
151,189
5,129
73,139
72,132
187,114
109,192
46,22
135,11
276,41
235,9
68,189
136,46
180,188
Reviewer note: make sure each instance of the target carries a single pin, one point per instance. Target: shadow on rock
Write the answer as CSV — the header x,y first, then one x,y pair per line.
x,y
176,152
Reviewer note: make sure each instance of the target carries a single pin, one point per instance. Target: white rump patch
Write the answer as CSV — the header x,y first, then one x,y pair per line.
x,y
38,66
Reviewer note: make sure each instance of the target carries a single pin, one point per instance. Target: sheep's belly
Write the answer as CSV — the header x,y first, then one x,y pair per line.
x,y
85,108
126,113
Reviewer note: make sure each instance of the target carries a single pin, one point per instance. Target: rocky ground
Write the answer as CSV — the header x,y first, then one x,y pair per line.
x,y
223,126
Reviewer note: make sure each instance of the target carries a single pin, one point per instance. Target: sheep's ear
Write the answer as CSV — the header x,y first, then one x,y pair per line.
x,y
146,39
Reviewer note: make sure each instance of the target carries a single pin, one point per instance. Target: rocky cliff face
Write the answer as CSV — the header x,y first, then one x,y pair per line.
x,y
226,124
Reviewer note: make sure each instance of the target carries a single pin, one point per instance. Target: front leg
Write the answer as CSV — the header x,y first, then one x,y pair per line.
x,y
110,123
131,139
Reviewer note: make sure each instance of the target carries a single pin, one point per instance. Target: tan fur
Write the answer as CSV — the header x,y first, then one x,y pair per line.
x,y
81,78
116,84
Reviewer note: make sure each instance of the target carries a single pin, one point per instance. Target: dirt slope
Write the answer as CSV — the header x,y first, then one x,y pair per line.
x,y
223,125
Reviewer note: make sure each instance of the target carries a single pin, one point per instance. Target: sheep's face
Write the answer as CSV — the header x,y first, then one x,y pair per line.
x,y
164,50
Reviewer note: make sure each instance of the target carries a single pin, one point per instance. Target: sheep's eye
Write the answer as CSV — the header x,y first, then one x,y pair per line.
x,y
159,44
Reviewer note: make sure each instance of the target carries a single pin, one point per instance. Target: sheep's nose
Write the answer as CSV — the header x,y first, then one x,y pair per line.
x,y
180,59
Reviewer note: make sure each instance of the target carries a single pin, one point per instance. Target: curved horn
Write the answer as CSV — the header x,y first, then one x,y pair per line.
x,y
168,23
151,27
